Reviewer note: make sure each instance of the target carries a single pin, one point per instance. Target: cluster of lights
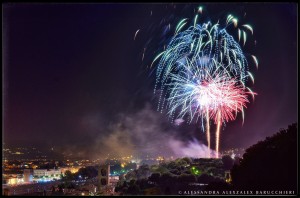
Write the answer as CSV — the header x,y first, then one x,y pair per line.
x,y
195,171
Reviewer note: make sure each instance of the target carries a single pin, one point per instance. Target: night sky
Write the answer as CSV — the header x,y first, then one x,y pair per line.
x,y
74,75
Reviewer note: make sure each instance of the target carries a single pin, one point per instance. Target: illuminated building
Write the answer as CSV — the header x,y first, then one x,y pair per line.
x,y
113,180
228,177
160,159
14,180
27,175
44,175
103,177
46,172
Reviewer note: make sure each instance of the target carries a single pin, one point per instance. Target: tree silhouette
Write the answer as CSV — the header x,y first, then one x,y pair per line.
x,y
154,177
227,162
89,172
68,176
270,164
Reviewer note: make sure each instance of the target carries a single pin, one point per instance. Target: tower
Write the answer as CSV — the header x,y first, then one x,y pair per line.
x,y
27,175
103,176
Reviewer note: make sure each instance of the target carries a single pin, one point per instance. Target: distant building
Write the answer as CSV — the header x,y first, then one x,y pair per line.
x,y
91,188
228,177
44,175
6,192
39,172
103,175
113,180
13,179
53,172
104,184
46,172
27,175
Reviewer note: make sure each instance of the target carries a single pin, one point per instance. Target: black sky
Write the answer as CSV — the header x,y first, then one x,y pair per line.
x,y
69,66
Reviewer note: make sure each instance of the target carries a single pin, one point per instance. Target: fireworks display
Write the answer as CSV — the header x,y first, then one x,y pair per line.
x,y
202,74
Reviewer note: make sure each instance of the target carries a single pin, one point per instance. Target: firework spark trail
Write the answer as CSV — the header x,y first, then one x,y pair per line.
x,y
208,131
210,94
202,74
136,34
193,92
217,97
218,133
198,42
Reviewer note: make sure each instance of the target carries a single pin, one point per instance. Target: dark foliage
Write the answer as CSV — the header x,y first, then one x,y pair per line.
x,y
87,172
270,164
220,185
227,162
